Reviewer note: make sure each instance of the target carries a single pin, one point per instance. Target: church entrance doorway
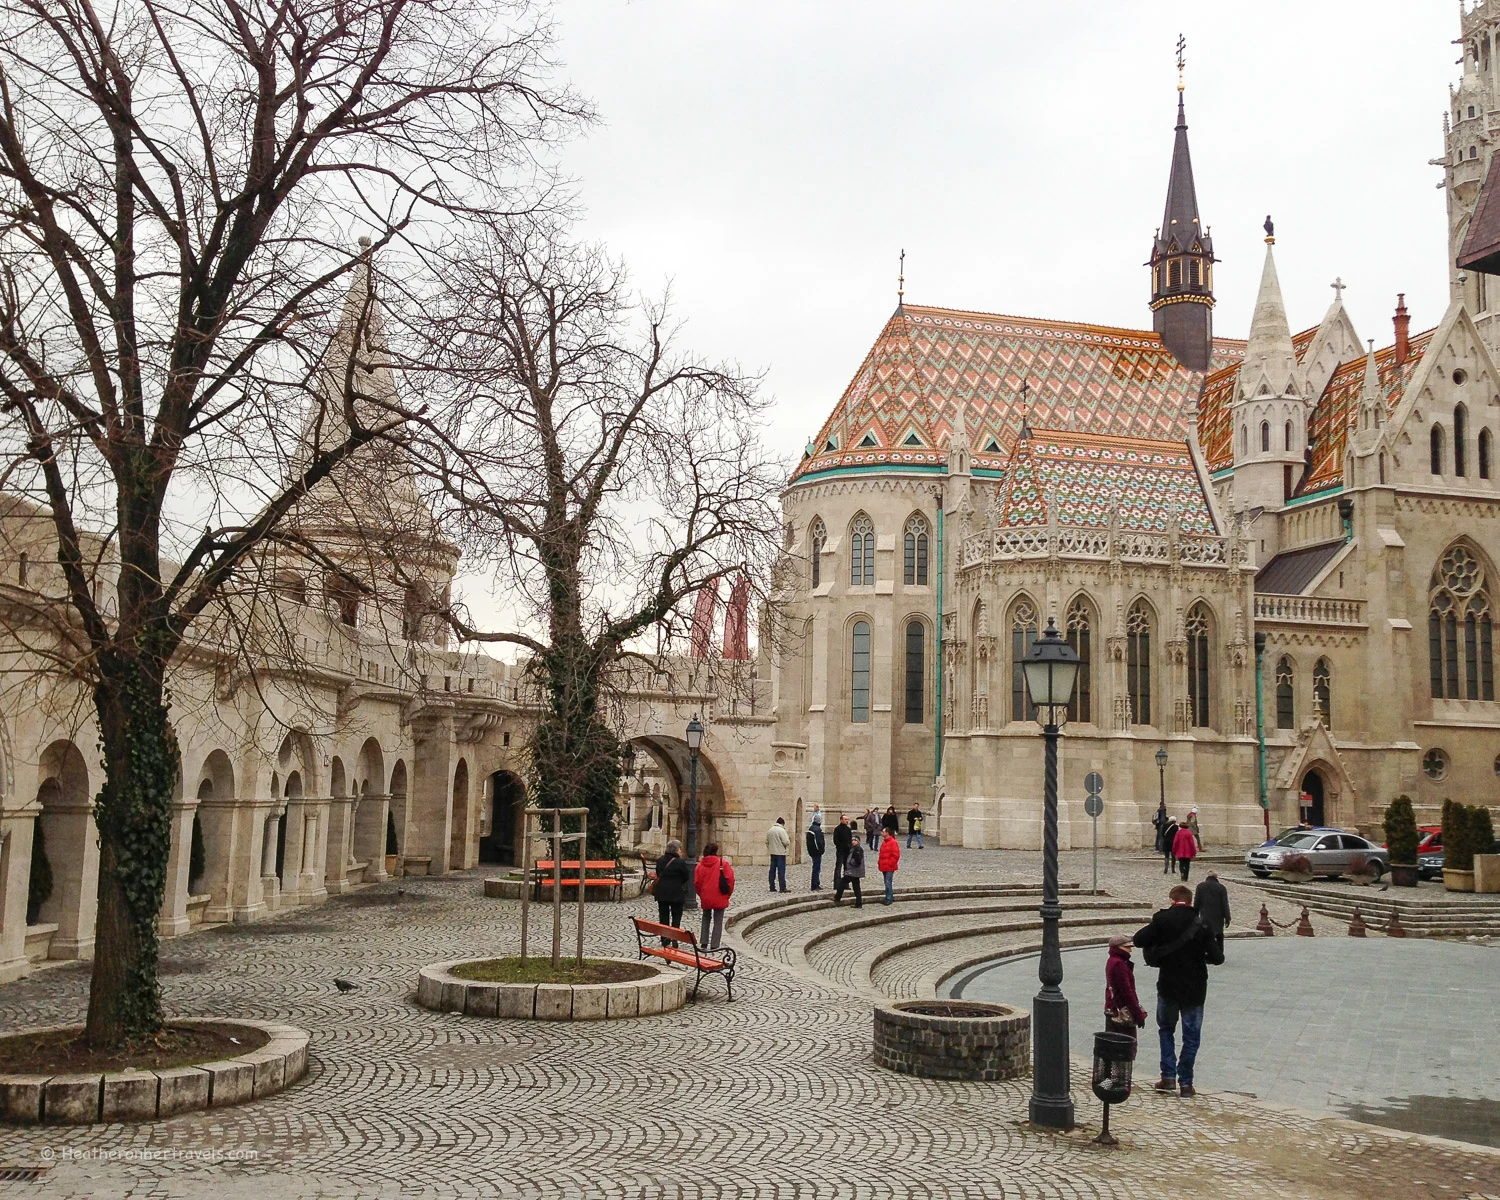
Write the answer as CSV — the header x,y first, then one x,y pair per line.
x,y
1313,799
507,799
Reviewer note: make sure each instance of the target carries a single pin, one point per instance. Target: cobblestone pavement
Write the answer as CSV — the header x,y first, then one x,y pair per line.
x,y
772,1096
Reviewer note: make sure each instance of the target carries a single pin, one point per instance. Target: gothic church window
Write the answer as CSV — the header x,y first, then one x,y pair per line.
x,y
1460,440
1265,435
916,552
817,538
1138,662
1460,630
859,675
1080,627
1286,707
1435,446
862,552
1288,435
916,671
1485,452
1323,690
1198,625
1023,635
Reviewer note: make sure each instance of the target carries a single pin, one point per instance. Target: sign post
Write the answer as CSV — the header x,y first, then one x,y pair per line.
x,y
1094,805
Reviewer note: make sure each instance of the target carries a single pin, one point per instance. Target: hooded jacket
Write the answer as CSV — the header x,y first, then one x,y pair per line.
x,y
706,882
855,867
1119,987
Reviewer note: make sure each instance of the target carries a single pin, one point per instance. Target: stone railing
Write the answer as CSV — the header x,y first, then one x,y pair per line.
x,y
1042,541
1308,610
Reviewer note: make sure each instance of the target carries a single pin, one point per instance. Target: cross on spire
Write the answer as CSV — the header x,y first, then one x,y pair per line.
x,y
1181,59
1338,286
901,280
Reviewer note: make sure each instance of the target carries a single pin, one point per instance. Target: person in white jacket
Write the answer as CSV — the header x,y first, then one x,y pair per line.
x,y
779,843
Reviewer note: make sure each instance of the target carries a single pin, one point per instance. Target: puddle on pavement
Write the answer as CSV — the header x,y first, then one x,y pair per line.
x,y
1462,1118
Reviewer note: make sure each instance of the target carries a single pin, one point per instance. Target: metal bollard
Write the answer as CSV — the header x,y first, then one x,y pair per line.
x,y
1304,926
1357,925
1395,929
1265,925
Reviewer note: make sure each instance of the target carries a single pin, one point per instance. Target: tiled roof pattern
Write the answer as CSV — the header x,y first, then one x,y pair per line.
x,y
930,362
1084,475
1215,423
1338,406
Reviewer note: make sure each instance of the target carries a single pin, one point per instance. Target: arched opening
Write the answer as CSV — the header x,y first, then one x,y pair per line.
x,y
458,838
1265,435
1286,708
371,809
670,754
64,860
1435,449
859,673
1200,641
1138,623
1313,799
1460,440
1486,451
861,551
1024,626
395,832
507,799
1290,445
817,538
1080,621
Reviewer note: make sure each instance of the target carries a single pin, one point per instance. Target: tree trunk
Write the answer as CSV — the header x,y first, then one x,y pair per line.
x,y
133,813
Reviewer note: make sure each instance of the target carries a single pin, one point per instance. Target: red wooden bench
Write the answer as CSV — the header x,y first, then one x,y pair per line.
x,y
595,873
685,953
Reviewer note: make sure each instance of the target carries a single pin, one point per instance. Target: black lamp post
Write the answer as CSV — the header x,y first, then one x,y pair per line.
x,y
1161,770
694,739
1051,670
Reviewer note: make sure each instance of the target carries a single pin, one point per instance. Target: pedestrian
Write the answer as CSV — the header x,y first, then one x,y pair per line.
x,y
854,872
1159,822
779,844
872,827
1211,902
890,823
843,835
1168,842
1184,849
673,878
1179,945
889,862
914,825
1192,823
714,883
816,844
1122,1007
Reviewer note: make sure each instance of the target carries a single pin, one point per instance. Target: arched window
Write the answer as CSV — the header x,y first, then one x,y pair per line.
x,y
1485,451
862,552
1195,273
1435,440
1244,441
916,672
1023,635
1459,598
1460,440
817,538
1199,623
1174,274
1323,690
1286,706
1265,435
1288,435
1138,662
1080,630
916,551
859,674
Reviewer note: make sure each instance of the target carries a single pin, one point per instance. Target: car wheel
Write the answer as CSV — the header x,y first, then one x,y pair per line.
x,y
1260,874
1377,868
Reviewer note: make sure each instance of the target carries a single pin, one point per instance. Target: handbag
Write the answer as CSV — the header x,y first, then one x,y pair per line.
x,y
651,886
726,888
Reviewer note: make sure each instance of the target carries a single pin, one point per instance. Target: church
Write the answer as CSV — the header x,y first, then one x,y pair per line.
x,y
1273,554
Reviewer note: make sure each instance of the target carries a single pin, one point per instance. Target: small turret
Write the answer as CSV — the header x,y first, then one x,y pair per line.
x,y
1182,264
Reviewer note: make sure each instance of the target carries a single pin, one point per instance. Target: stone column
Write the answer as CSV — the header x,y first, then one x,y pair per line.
x,y
173,917
340,845
270,882
369,835
73,848
429,806
16,825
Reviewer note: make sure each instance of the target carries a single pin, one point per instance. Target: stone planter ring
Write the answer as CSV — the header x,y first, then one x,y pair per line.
x,y
663,990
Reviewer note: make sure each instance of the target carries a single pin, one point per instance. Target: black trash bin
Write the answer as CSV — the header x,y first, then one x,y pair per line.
x,y
1114,1066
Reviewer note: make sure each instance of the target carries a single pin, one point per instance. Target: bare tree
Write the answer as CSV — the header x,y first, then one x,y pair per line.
x,y
180,185
608,475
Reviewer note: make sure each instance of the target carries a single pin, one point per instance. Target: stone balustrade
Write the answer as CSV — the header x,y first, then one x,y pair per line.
x,y
1091,542
1308,610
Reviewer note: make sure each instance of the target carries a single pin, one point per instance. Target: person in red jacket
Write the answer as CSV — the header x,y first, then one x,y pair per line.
x,y
714,883
1122,1007
889,861
1184,849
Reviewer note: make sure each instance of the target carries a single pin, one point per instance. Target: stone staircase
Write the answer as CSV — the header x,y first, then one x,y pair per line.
x,y
1444,915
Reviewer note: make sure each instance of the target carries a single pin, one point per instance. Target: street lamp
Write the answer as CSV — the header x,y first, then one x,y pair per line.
x,y
1051,670
694,739
1161,770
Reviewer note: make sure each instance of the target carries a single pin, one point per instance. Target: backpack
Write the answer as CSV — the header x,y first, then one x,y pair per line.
x,y
725,887
1155,954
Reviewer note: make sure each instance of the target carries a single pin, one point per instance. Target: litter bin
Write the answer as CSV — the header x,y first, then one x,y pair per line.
x,y
1114,1066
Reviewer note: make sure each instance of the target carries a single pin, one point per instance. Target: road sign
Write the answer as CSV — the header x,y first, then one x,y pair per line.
x,y
1094,805
1094,783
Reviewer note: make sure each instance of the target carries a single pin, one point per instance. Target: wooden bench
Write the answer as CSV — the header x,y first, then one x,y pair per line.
x,y
685,953
648,871
594,872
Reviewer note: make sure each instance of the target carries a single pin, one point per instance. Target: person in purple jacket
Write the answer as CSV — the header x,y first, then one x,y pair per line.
x,y
1122,1007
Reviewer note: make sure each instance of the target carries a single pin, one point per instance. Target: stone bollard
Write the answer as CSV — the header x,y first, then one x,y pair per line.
x,y
1304,926
1356,924
1265,925
1394,928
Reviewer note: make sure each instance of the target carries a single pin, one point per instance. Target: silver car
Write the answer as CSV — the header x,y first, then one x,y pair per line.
x,y
1330,852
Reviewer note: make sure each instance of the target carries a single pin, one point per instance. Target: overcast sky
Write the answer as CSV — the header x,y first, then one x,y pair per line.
x,y
771,159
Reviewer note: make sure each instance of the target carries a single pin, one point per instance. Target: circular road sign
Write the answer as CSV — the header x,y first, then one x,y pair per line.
x,y
1094,783
1094,805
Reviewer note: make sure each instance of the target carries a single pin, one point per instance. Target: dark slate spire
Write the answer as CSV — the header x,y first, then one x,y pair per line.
x,y
1182,258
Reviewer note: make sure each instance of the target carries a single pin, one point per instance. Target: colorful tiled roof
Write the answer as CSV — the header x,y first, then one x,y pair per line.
x,y
1338,407
1215,423
928,362
1083,475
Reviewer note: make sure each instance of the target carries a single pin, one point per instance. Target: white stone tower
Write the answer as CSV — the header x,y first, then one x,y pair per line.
x,y
1271,403
1471,127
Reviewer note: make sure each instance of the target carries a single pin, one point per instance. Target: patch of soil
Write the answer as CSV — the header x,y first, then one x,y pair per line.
x,y
539,970
951,1008
64,1052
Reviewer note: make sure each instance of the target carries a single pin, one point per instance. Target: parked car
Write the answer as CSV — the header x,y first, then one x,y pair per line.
x,y
1329,850
1430,855
1296,829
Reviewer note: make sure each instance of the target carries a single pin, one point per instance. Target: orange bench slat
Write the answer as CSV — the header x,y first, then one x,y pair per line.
x,y
682,956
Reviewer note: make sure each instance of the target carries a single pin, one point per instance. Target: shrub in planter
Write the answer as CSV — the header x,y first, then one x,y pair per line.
x,y
1458,847
391,846
1481,831
1401,831
1296,868
39,891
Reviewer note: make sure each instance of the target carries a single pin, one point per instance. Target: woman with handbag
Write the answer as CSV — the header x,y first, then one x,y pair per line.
x,y
670,888
713,881
1122,1007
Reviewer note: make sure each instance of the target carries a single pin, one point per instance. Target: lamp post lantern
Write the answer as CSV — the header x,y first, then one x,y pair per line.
x,y
1051,670
694,739
1161,771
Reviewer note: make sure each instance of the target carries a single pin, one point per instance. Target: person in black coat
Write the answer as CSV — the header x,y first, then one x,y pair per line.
x,y
890,822
816,845
1211,902
1181,947
843,838
673,878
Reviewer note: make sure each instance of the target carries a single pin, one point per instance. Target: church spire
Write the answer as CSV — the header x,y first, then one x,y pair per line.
x,y
1270,357
1182,257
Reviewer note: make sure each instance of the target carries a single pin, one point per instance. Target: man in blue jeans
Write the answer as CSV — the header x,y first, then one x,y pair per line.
x,y
778,845
1181,947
